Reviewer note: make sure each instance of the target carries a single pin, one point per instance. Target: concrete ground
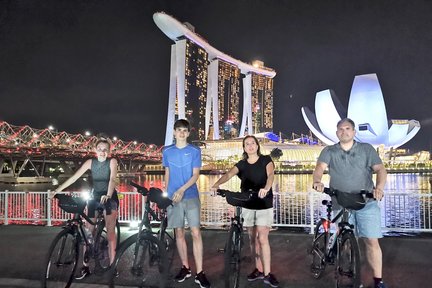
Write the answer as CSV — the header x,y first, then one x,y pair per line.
x,y
407,260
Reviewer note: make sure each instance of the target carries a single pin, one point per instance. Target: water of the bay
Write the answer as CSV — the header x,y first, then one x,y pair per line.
x,y
406,207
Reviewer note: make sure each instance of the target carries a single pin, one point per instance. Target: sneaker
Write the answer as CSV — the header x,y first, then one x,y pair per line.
x,y
201,279
255,275
85,271
183,274
380,285
270,279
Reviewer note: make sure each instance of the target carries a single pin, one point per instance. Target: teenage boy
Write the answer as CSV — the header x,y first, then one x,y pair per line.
x,y
182,162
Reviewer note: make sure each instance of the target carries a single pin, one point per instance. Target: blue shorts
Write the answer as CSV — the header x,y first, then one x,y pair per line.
x,y
186,209
367,221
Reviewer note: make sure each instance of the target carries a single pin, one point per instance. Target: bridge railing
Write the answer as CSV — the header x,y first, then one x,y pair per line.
x,y
400,212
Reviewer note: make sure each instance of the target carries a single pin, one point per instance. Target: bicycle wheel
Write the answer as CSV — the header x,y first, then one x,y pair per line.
x,y
140,262
348,262
61,261
318,251
169,240
233,258
102,261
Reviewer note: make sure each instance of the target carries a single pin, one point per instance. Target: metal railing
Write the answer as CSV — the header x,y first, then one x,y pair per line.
x,y
400,212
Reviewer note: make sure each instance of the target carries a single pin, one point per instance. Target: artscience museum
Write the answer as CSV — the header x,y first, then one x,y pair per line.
x,y
366,108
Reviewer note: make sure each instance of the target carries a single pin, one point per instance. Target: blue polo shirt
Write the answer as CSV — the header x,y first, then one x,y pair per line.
x,y
181,162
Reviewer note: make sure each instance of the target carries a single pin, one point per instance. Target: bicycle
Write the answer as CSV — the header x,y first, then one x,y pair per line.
x,y
341,248
142,258
234,243
65,250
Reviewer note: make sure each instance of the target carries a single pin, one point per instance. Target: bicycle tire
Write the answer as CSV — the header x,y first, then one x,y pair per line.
x,y
169,240
101,255
232,258
140,262
348,262
318,251
61,261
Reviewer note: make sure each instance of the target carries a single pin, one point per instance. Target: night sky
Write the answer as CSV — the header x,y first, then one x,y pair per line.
x,y
104,66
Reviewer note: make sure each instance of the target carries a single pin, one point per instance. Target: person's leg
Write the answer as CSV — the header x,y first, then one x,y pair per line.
x,y
368,224
255,247
197,248
374,256
181,246
263,246
110,223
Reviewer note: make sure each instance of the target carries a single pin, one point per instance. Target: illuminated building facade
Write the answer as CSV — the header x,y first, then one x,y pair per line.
x,y
225,119
195,87
262,103
205,87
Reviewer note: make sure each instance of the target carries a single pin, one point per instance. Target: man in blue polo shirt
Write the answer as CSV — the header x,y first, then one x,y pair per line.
x,y
182,162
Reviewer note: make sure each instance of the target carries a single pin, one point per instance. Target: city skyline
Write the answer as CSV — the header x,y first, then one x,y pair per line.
x,y
104,67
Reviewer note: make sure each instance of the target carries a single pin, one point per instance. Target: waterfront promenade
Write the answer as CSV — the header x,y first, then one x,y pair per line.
x,y
407,259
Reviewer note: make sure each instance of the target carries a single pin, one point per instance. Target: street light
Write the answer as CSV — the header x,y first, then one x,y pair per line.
x,y
87,133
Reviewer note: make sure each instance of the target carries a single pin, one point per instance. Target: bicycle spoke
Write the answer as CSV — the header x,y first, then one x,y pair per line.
x,y
233,258
318,251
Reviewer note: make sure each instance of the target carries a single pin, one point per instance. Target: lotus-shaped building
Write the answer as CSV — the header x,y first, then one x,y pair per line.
x,y
366,108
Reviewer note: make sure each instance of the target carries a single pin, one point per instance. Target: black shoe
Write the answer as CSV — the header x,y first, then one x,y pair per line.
x,y
255,275
85,271
201,279
380,285
270,279
183,274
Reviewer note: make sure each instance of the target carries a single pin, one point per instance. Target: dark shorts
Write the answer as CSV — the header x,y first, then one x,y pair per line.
x,y
108,207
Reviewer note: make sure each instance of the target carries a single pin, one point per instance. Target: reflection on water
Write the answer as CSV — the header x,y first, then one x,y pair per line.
x,y
396,183
407,205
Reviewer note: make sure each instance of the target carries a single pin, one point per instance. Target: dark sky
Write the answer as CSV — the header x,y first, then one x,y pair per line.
x,y
104,65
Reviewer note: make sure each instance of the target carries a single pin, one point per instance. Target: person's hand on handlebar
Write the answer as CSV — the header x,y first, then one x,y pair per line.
x,y
318,186
213,190
263,192
378,193
104,199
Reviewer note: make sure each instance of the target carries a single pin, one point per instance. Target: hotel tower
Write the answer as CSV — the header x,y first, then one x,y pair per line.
x,y
222,97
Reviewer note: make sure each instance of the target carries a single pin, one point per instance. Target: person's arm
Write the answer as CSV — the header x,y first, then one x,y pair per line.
x,y
381,178
166,178
86,166
227,176
178,195
270,177
111,183
317,176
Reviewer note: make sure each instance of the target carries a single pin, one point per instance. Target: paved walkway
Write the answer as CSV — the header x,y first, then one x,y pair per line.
x,y
408,259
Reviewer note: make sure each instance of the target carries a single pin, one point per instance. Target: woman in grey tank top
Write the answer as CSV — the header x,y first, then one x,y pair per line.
x,y
104,173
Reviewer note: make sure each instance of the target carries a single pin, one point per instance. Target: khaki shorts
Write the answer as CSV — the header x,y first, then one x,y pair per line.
x,y
186,209
257,217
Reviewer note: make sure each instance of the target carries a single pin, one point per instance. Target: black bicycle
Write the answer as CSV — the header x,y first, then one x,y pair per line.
x,y
234,243
65,250
340,249
142,259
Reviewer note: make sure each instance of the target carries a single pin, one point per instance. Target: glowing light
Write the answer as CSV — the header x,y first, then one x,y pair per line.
x,y
85,195
50,127
134,224
115,138
87,133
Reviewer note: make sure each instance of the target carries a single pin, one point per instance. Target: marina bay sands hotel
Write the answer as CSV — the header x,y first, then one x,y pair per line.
x,y
222,97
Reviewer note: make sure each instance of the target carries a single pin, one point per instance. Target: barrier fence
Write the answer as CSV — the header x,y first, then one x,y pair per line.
x,y
400,212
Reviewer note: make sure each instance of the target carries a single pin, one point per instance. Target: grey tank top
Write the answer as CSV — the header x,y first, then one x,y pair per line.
x,y
101,173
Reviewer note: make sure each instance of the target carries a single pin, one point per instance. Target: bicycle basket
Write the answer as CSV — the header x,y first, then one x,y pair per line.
x,y
156,196
353,201
71,204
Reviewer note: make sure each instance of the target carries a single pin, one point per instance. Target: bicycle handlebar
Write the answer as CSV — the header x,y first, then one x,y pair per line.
x,y
140,189
334,192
